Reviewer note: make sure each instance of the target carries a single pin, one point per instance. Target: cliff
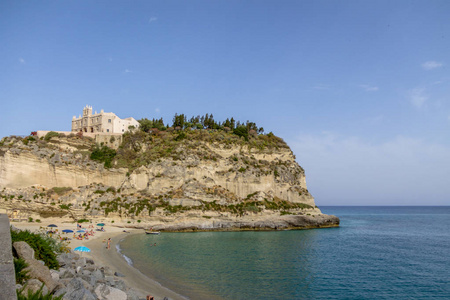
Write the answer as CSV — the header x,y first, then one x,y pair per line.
x,y
179,180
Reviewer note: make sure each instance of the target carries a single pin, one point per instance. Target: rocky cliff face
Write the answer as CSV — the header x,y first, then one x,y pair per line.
x,y
201,185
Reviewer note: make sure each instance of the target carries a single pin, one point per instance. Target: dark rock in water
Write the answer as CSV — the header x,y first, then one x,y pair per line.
x,y
119,274
35,269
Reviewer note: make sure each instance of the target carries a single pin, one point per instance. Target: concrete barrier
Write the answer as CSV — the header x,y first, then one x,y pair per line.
x,y
7,275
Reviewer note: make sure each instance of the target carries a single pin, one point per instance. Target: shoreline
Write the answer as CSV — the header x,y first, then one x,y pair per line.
x,y
133,277
112,258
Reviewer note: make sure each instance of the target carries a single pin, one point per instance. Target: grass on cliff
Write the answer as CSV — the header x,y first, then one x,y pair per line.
x,y
44,247
140,148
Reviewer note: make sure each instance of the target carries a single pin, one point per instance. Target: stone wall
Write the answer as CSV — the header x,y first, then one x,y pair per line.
x,y
7,275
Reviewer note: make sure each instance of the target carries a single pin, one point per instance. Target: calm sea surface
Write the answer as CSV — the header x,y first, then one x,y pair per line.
x,y
377,253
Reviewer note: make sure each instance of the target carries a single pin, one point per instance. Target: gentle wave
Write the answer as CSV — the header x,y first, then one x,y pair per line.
x,y
119,250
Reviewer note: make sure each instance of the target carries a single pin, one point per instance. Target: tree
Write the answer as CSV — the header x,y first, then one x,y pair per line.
x,y
241,131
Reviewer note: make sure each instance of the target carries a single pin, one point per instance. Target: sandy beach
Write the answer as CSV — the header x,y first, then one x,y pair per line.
x,y
110,257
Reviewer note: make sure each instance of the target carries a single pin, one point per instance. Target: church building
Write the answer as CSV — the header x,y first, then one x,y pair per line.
x,y
101,123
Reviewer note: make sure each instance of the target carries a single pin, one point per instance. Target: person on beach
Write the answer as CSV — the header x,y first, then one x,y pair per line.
x,y
109,243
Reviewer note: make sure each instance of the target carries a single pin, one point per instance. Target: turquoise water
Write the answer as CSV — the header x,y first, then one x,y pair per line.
x,y
377,253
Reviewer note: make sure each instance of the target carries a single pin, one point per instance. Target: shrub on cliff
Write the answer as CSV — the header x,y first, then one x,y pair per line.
x,y
103,154
50,134
43,247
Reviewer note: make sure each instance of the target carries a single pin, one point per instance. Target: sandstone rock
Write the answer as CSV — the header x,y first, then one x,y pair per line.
x,y
105,292
36,269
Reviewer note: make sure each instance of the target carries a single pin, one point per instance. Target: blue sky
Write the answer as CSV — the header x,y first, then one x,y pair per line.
x,y
360,90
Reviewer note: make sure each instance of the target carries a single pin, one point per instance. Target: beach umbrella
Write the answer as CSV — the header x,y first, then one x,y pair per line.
x,y
100,224
67,230
82,249
81,230
52,225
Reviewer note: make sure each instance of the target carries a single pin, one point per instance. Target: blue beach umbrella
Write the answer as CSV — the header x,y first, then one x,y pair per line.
x,y
81,230
101,224
52,225
82,249
67,230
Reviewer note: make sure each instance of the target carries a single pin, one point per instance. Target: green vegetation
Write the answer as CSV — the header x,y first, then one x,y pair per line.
x,y
44,247
59,190
83,221
64,206
50,134
103,154
36,295
19,269
127,208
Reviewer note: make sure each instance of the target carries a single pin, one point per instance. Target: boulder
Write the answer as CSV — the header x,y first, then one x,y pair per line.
x,y
132,295
54,274
34,285
105,292
35,268
78,289
97,274
66,273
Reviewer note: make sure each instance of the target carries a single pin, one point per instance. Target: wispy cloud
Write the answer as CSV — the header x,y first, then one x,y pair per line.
x,y
21,60
157,110
374,172
430,65
152,19
369,88
128,71
418,97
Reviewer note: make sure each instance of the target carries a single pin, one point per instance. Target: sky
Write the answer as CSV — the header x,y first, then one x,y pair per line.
x,y
360,90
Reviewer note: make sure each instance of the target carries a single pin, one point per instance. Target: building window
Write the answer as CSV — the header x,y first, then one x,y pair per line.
x,y
122,130
107,130
109,120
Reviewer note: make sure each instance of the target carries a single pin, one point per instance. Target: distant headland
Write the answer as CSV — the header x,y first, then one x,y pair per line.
x,y
195,174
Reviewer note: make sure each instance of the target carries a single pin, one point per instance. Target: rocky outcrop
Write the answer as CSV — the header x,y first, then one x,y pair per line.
x,y
205,185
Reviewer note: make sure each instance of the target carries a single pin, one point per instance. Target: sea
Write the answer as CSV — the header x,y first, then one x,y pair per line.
x,y
377,253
